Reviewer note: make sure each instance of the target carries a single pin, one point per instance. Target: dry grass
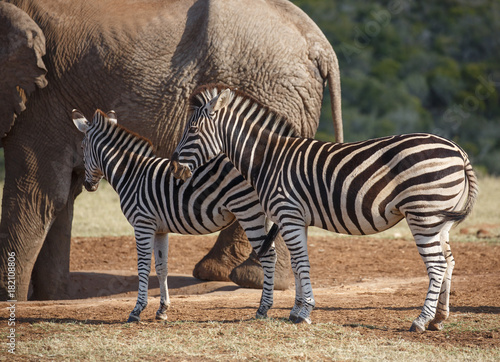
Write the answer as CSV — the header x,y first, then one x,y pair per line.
x,y
99,214
241,340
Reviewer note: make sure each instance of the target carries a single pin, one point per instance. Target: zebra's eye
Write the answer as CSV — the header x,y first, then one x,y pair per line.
x,y
193,129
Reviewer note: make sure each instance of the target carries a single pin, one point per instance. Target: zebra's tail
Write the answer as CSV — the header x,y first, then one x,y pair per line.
x,y
268,242
459,216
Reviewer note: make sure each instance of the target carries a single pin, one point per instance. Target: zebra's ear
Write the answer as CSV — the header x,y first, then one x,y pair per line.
x,y
80,121
112,117
221,101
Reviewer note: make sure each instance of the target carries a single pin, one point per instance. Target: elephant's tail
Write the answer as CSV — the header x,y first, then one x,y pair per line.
x,y
333,78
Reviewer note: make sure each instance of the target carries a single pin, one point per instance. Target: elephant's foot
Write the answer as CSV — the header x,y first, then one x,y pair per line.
x,y
249,274
212,269
229,251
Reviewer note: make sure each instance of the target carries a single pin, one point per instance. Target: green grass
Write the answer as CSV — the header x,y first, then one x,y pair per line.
x,y
271,339
99,214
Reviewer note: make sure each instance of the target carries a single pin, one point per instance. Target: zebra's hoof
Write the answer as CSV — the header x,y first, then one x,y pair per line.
x,y
161,316
292,318
417,327
302,320
260,316
435,326
261,312
133,318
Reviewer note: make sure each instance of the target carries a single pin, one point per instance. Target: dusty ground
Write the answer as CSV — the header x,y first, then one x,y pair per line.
x,y
376,286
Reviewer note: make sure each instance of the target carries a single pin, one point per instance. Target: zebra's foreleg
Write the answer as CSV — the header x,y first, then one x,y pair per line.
x,y
161,267
432,254
297,306
443,307
144,245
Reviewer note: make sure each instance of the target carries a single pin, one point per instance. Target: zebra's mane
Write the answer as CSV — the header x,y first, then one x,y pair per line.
x,y
203,94
137,136
119,128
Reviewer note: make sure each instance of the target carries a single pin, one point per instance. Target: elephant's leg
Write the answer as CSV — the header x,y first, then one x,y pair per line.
x,y
14,245
22,232
50,274
232,250
36,189
249,273
16,265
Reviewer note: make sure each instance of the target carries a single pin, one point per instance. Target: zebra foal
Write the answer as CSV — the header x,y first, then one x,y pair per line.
x,y
350,188
156,204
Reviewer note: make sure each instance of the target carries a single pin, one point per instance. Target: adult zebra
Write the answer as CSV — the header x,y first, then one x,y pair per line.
x,y
350,188
156,204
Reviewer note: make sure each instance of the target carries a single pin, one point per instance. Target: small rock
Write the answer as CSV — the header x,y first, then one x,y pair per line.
x,y
483,233
466,231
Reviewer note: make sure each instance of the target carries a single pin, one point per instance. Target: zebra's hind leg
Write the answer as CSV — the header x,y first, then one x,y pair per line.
x,y
268,262
296,241
430,249
443,308
256,236
161,267
144,246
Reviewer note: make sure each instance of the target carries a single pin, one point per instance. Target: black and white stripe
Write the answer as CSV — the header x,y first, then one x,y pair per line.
x,y
156,204
351,188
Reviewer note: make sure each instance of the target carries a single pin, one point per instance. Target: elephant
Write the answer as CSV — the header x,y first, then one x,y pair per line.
x,y
143,59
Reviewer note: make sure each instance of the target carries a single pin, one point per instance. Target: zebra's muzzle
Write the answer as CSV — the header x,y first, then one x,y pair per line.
x,y
89,186
180,171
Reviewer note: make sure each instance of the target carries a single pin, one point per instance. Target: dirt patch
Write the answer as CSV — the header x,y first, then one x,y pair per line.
x,y
376,286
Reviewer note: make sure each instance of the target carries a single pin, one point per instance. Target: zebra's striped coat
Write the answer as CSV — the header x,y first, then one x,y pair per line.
x,y
156,204
351,188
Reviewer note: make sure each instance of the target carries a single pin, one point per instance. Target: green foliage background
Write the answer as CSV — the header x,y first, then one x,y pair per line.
x,y
416,66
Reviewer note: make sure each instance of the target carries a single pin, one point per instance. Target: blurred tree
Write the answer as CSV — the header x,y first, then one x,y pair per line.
x,y
409,66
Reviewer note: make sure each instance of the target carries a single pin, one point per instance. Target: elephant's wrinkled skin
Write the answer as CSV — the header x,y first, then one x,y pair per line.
x,y
142,59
